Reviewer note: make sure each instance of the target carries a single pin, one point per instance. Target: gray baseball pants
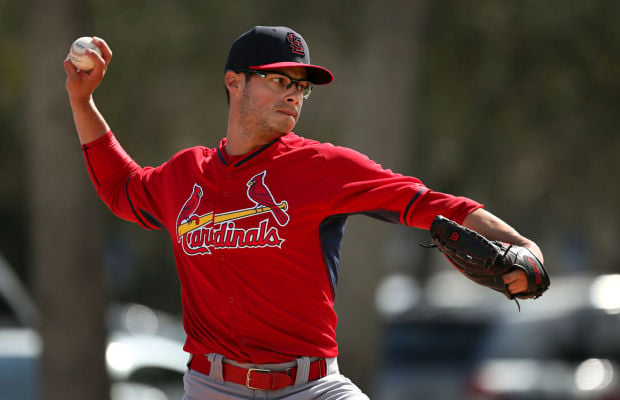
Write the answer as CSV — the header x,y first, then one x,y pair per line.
x,y
334,386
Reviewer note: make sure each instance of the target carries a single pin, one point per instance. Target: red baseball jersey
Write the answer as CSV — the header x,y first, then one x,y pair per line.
x,y
257,237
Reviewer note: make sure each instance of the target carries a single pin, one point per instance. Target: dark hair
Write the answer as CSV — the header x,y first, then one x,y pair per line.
x,y
248,75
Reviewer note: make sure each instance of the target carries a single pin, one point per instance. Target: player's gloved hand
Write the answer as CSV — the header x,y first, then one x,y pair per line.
x,y
496,265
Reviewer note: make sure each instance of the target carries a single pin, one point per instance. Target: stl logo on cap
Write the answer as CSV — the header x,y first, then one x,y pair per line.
x,y
296,46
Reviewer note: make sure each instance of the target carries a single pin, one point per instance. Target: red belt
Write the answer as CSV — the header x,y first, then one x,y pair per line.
x,y
259,378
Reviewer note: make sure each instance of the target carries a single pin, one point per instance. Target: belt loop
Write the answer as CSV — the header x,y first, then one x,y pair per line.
x,y
216,371
331,366
303,370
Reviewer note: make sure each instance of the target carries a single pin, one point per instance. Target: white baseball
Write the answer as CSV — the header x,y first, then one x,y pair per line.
x,y
78,56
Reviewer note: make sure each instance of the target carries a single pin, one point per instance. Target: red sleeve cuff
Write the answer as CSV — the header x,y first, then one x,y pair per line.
x,y
430,204
107,161
103,139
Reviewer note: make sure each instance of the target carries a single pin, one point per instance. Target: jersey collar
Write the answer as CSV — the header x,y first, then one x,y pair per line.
x,y
236,161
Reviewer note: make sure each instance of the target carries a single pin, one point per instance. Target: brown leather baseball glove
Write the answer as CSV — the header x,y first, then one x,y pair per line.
x,y
484,261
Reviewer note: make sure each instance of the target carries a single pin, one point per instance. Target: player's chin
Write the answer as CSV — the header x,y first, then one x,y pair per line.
x,y
286,124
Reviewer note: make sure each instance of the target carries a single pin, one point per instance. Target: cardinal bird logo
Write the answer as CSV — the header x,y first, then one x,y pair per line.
x,y
198,234
188,211
259,193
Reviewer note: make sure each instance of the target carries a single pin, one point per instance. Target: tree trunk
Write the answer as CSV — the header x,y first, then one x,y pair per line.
x,y
64,215
380,86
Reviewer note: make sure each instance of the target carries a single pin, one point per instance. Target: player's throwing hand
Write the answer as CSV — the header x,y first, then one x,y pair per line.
x,y
81,84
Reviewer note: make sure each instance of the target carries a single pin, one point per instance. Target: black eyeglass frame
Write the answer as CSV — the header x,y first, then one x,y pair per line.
x,y
305,91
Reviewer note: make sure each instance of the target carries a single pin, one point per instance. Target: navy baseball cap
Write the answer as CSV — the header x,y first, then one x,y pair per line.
x,y
274,47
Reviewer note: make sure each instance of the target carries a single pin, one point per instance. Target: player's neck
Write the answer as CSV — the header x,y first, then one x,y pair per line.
x,y
239,144
241,141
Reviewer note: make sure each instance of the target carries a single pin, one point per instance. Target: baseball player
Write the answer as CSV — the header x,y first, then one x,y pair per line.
x,y
256,223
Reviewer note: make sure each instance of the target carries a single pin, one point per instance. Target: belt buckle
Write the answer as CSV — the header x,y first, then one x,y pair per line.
x,y
249,377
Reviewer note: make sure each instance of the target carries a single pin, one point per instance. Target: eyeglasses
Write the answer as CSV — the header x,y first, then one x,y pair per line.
x,y
281,82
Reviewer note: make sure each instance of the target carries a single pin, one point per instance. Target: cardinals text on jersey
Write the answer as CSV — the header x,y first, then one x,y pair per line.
x,y
198,234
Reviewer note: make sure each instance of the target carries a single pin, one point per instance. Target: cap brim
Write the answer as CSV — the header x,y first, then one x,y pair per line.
x,y
316,74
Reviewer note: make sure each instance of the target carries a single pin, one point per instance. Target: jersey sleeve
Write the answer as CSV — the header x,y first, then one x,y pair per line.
x,y
120,182
357,185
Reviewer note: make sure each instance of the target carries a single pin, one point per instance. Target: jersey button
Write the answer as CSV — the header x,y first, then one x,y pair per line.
x,y
221,257
229,174
224,194
231,300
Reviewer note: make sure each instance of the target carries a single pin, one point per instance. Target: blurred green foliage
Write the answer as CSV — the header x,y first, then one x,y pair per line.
x,y
515,106
520,96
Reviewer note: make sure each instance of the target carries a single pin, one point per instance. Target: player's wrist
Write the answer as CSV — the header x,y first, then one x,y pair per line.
x,y
81,101
533,247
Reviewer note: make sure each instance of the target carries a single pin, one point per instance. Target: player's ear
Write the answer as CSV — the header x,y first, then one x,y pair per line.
x,y
233,81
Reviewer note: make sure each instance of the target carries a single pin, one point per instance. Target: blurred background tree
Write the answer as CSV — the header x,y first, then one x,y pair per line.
x,y
64,232
511,103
